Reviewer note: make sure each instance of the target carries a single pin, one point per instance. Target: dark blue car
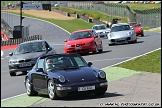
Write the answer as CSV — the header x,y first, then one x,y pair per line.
x,y
60,75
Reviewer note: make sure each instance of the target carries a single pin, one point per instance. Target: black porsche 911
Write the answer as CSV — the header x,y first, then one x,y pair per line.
x,y
60,75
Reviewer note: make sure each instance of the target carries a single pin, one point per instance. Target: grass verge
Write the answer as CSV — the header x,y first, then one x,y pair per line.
x,y
147,63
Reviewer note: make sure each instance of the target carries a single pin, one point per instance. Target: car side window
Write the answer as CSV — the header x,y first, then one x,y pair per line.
x,y
40,63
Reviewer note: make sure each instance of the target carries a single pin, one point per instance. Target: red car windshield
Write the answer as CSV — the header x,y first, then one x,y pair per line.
x,y
80,35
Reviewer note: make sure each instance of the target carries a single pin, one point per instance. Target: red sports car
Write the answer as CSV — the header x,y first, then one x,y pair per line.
x,y
138,28
83,41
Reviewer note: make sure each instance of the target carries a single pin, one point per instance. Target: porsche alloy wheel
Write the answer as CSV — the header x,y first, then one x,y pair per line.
x,y
51,90
29,88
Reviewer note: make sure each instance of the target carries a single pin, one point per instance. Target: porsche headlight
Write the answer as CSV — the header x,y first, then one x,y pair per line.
x,y
141,28
61,78
129,33
102,74
106,32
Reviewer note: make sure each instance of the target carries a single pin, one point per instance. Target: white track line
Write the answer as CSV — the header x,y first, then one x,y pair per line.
x,y
132,58
1,53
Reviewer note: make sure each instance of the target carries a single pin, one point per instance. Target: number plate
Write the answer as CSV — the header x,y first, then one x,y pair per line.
x,y
86,88
121,39
78,48
25,64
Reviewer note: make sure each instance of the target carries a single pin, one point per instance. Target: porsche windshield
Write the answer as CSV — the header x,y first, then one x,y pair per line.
x,y
80,35
65,62
120,28
30,47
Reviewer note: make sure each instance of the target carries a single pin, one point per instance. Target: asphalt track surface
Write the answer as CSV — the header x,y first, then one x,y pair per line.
x,y
121,87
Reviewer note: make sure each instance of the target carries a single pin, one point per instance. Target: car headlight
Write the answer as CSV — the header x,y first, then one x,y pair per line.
x,y
68,46
106,31
141,28
61,78
102,74
110,35
12,62
129,33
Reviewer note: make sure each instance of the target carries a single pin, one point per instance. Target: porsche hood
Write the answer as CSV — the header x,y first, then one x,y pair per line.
x,y
83,74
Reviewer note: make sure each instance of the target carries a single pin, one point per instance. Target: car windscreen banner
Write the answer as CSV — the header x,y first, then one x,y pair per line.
x,y
32,6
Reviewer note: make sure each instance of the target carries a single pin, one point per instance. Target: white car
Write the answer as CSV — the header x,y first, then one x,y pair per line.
x,y
101,30
121,33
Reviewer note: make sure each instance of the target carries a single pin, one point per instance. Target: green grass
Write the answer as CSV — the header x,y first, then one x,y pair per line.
x,y
135,6
147,63
93,14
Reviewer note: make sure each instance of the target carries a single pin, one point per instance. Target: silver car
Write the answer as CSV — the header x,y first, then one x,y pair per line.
x,y
121,33
101,30
25,55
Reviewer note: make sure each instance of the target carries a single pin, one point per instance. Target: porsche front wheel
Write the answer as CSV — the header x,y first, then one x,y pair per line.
x,y
51,90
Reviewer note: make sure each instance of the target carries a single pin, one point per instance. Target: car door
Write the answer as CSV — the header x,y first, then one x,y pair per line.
x,y
39,78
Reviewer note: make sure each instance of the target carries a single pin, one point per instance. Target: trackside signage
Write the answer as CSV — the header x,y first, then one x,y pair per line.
x,y
32,6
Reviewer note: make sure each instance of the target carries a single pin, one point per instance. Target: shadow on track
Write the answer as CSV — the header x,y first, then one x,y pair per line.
x,y
83,96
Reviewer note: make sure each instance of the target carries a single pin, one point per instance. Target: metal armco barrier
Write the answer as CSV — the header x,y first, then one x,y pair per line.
x,y
20,40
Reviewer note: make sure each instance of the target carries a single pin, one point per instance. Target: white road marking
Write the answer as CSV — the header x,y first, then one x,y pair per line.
x,y
132,58
13,97
110,59
58,44
1,53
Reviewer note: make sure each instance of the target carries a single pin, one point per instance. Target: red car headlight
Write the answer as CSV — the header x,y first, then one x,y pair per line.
x,y
141,28
68,46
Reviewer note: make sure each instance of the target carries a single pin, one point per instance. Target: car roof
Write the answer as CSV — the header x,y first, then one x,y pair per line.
x,y
32,41
119,24
61,54
90,30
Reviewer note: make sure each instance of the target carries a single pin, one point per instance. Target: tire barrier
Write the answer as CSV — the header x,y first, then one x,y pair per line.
x,y
20,40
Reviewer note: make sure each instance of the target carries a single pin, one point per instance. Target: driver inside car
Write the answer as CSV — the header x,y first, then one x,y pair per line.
x,y
49,65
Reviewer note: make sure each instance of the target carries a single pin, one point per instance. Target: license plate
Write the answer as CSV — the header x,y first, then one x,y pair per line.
x,y
120,39
77,48
25,64
86,88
